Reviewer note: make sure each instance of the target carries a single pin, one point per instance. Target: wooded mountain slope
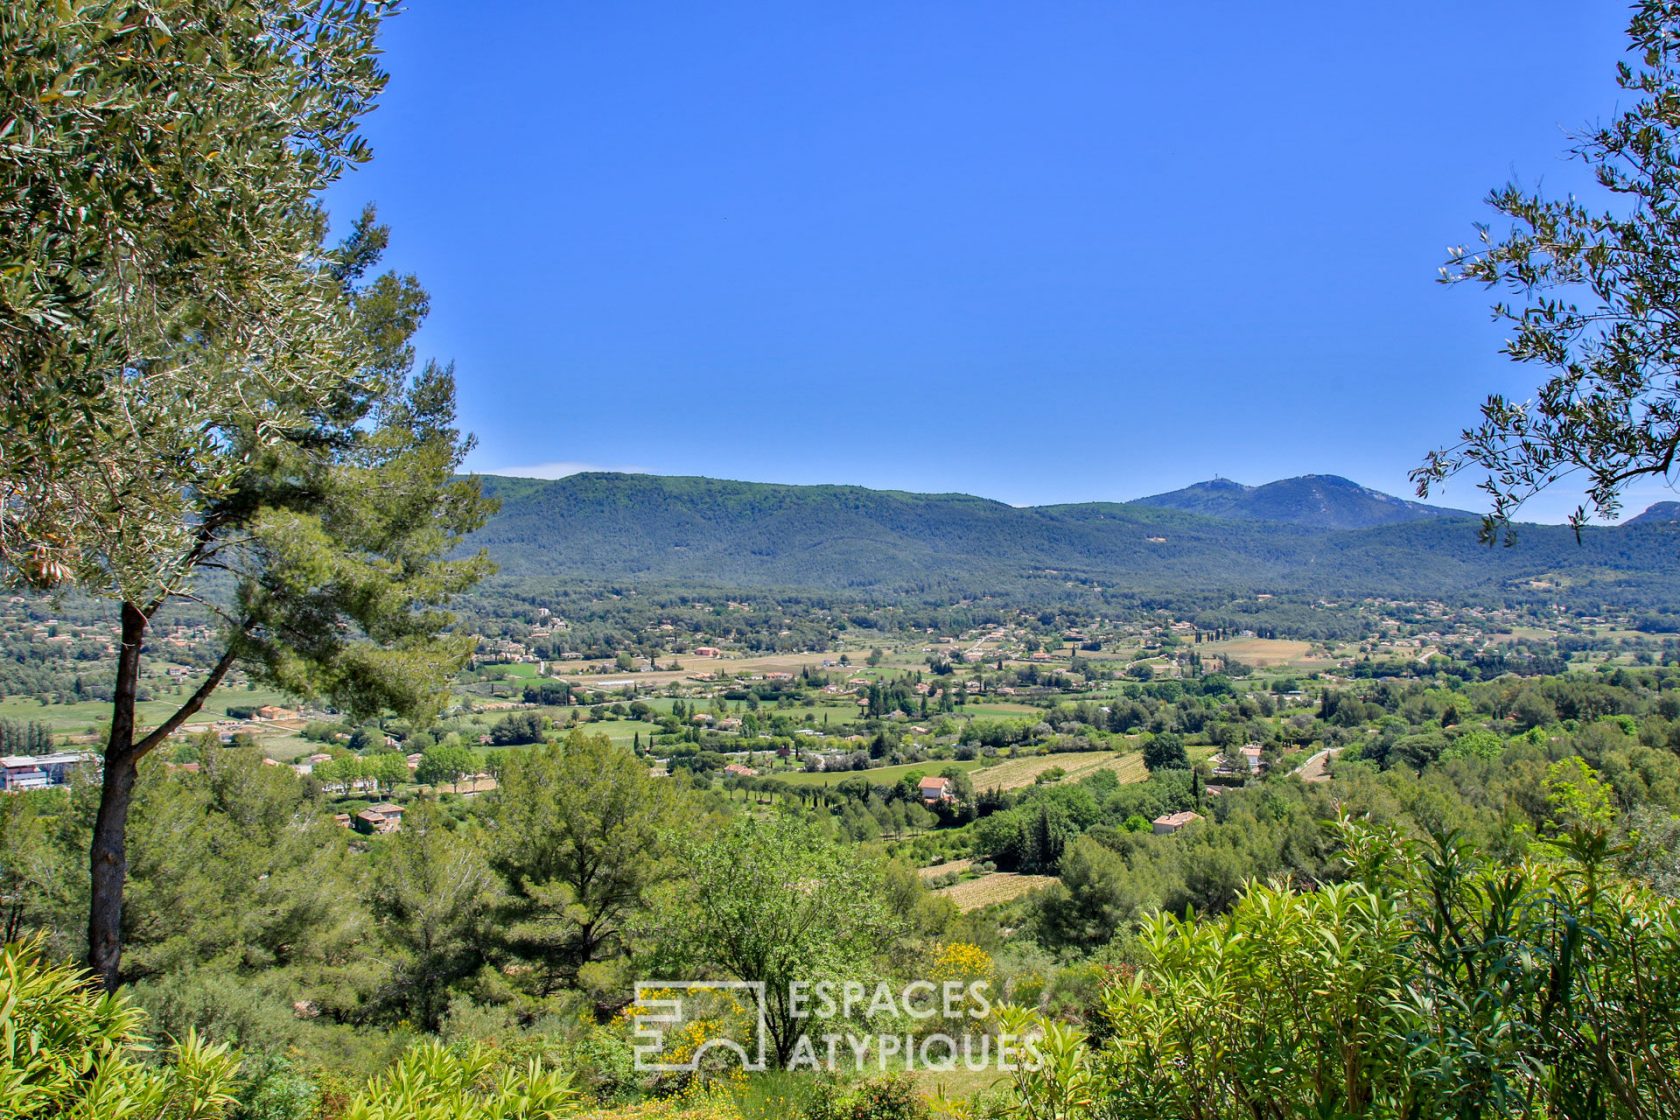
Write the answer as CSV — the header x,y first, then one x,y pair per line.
x,y
1317,501
716,533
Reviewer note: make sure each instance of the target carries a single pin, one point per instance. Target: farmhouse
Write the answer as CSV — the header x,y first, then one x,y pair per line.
x,y
708,651
1172,822
735,769
383,817
1245,761
936,790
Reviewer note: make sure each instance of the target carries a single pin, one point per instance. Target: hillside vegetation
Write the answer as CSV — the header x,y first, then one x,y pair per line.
x,y
709,532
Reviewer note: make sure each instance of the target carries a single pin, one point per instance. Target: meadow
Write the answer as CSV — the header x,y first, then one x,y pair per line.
x,y
880,776
93,716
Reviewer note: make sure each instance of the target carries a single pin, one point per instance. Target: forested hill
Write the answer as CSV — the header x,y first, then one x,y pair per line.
x,y
1318,501
714,533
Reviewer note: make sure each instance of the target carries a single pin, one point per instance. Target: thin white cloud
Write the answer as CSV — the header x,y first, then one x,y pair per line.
x,y
558,470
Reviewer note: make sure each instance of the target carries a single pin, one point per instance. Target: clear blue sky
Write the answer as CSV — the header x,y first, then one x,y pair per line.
x,y
1039,252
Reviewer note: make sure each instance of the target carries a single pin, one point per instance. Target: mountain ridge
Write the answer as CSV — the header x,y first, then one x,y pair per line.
x,y
1324,501
1658,513
694,530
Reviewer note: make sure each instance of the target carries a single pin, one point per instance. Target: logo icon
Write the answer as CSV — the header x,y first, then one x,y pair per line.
x,y
674,1020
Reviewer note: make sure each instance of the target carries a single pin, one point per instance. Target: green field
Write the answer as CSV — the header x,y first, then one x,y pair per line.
x,y
622,731
1001,708
618,730
287,748
884,776
841,711
74,719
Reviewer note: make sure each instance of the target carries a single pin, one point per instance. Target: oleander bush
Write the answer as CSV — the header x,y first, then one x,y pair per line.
x,y
1436,982
71,1052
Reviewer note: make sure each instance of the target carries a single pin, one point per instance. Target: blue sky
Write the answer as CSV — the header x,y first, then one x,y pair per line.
x,y
1039,252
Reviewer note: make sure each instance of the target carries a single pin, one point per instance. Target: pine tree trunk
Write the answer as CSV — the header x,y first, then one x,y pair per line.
x,y
109,856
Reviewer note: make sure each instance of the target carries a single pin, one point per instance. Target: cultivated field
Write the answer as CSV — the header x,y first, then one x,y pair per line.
x,y
1005,708
989,890
1262,653
1013,773
882,776
1018,773
620,731
589,673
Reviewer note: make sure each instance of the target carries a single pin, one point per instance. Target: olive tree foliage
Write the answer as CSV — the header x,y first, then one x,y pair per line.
x,y
1591,294
194,378
163,291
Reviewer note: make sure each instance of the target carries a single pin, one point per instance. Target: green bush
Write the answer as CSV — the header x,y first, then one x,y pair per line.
x,y
220,1005
437,1082
892,1096
270,1089
71,1052
1436,982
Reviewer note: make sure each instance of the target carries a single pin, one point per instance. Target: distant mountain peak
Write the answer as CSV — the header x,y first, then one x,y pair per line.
x,y
1662,513
1317,501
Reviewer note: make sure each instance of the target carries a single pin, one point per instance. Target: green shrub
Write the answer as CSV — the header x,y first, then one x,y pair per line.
x,y
892,1096
69,1051
1438,982
219,1005
437,1082
270,1089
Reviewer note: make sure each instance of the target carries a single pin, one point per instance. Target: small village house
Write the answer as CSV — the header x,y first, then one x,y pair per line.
x,y
936,790
1169,823
381,818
